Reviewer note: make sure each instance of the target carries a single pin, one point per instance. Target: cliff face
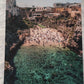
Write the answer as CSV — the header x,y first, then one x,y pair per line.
x,y
12,11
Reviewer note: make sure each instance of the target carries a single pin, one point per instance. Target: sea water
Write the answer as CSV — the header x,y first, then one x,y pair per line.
x,y
48,65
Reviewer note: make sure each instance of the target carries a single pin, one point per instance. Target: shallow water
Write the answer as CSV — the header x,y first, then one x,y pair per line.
x,y
48,65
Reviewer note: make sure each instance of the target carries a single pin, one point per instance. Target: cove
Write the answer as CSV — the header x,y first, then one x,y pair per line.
x,y
47,65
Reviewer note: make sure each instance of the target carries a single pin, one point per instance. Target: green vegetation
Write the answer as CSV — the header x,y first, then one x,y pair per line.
x,y
50,65
29,23
41,26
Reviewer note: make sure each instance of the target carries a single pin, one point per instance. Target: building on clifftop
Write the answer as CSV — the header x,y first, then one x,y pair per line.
x,y
11,8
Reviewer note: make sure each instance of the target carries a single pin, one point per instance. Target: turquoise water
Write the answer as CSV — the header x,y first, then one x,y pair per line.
x,y
50,65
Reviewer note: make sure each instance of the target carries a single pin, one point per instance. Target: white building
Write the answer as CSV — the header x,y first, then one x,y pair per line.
x,y
39,9
11,7
59,5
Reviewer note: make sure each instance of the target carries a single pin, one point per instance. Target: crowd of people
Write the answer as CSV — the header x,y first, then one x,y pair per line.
x,y
44,37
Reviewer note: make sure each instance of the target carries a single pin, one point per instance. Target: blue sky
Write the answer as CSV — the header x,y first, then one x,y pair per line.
x,y
29,3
